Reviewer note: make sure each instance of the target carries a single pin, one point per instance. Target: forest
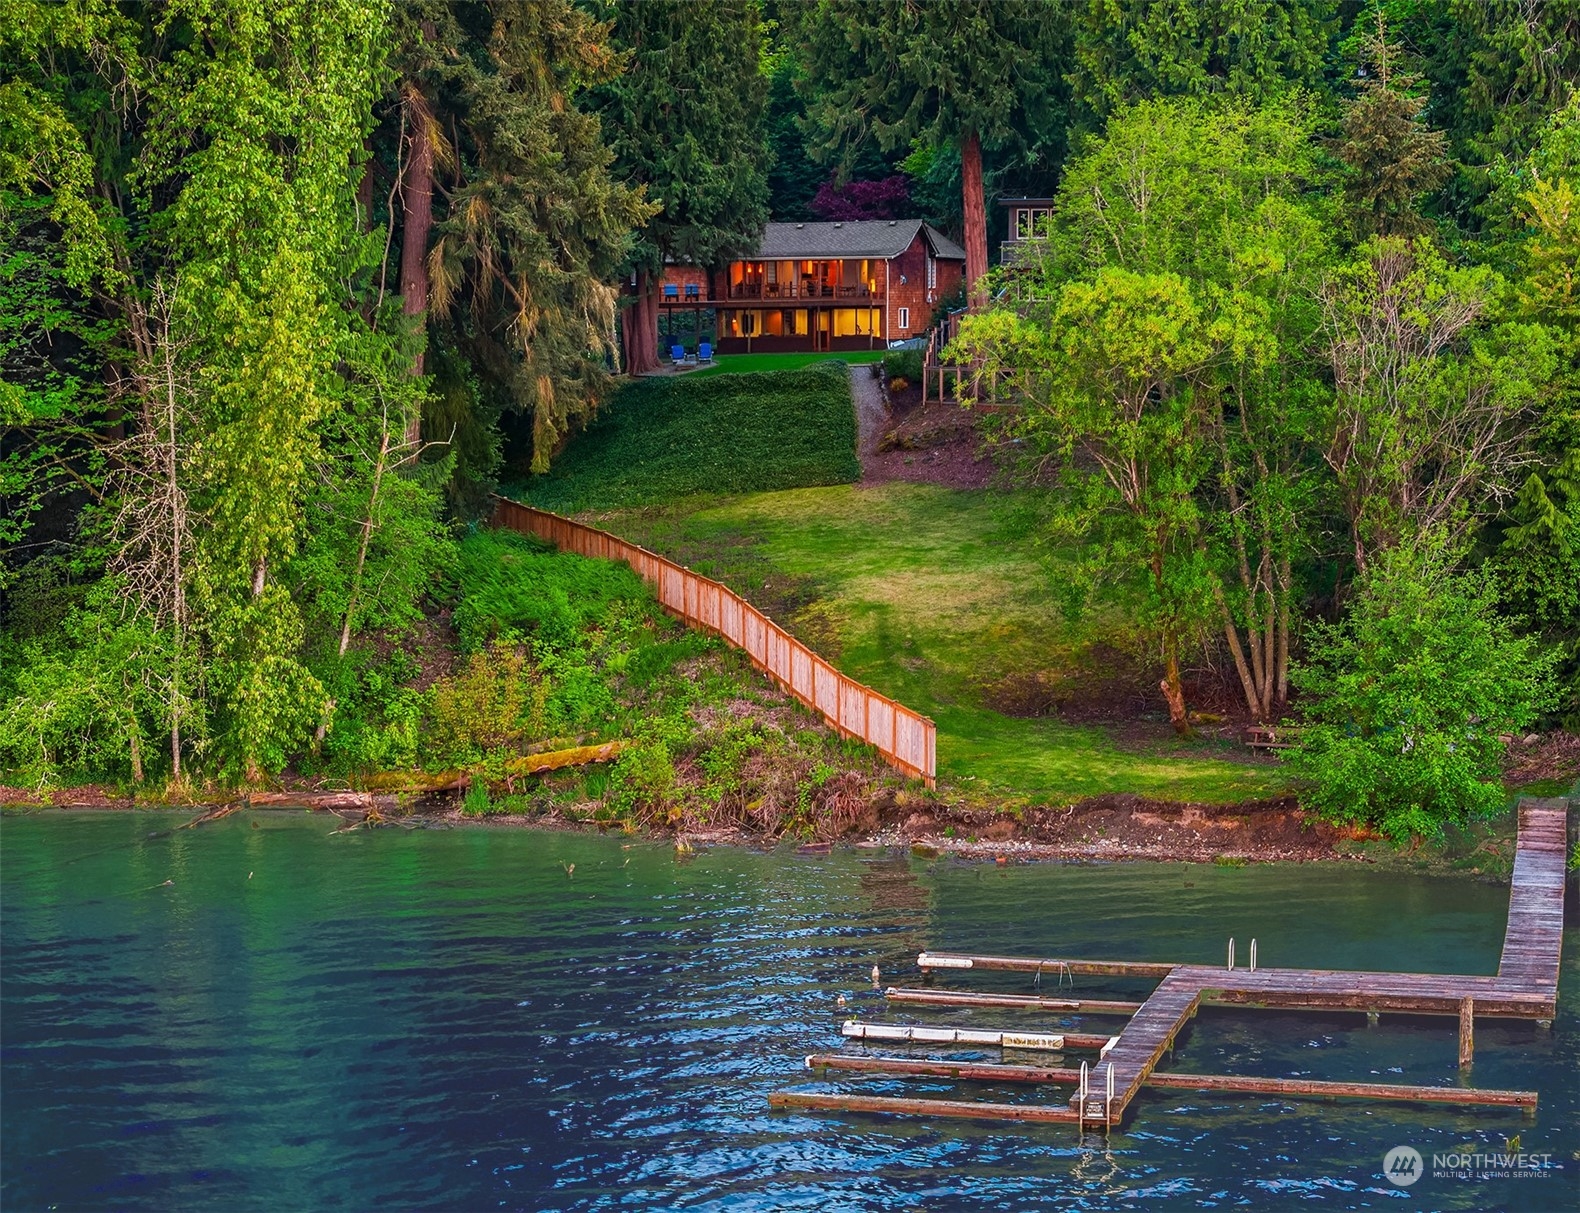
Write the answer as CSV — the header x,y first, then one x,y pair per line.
x,y
287,289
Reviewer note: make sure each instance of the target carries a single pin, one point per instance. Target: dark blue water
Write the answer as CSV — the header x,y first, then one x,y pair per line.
x,y
449,1020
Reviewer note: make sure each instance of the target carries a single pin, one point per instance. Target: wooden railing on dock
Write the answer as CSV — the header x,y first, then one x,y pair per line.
x,y
907,740
1525,987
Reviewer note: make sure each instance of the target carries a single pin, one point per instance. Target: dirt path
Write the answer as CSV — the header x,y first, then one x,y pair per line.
x,y
871,412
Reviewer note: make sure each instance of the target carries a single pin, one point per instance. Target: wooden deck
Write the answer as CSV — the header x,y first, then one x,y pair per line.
x,y
1525,987
1141,1046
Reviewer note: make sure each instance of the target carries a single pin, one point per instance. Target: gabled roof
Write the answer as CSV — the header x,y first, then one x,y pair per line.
x,y
877,238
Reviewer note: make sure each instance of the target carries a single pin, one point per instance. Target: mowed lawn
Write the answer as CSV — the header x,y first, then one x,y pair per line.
x,y
736,364
927,595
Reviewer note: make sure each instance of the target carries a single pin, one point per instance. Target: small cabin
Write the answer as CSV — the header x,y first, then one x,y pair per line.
x,y
1027,220
852,285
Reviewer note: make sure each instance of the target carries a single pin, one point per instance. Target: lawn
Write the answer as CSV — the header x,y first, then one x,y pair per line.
x,y
735,364
662,439
929,595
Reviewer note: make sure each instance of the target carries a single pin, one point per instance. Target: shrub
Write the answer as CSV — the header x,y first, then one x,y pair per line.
x,y
1406,699
663,438
903,364
481,707
513,587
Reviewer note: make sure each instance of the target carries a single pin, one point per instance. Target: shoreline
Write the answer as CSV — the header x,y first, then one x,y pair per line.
x,y
1124,828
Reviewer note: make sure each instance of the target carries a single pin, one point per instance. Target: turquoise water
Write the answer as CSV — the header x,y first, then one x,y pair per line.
x,y
448,1019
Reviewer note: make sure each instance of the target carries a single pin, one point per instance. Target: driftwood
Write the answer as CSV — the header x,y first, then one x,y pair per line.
x,y
311,800
530,764
224,810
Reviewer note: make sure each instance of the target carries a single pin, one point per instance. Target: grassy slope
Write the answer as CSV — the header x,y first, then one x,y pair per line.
x,y
915,590
664,438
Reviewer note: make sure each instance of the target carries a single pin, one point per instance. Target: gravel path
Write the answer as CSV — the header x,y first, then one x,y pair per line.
x,y
871,414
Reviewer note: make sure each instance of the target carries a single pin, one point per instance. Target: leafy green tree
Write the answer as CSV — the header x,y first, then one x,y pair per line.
x,y
968,74
1405,701
1433,385
685,120
1128,51
1539,554
1110,376
1214,195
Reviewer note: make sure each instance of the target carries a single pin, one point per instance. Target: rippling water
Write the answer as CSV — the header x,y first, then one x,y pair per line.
x,y
256,1015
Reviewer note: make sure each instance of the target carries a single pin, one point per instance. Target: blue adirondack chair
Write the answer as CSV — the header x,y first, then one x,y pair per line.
x,y
691,291
678,354
671,291
704,352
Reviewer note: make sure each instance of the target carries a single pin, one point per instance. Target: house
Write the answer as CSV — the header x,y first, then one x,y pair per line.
x,y
1028,220
858,284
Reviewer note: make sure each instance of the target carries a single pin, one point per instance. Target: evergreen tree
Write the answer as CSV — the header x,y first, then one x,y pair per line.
x,y
518,262
686,121
971,74
1132,50
1393,157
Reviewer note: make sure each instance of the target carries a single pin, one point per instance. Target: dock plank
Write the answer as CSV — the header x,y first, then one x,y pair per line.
x,y
1141,1045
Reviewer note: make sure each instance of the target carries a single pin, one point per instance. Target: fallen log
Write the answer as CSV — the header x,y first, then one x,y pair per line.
x,y
330,801
456,780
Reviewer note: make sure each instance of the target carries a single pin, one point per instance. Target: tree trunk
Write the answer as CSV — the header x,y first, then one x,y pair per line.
x,y
362,547
1231,633
974,208
640,332
137,751
1281,684
1173,689
365,190
416,224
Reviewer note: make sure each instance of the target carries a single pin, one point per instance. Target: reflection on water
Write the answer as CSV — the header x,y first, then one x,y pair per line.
x,y
448,1020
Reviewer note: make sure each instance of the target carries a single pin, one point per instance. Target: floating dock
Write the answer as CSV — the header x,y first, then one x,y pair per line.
x,y
1525,987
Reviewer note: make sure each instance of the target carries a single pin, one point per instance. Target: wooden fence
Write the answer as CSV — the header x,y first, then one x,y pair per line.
x,y
906,739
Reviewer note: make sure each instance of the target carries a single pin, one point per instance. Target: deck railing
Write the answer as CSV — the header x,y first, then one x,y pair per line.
x,y
801,290
907,740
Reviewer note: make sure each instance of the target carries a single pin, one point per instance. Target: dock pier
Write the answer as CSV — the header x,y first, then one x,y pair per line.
x,y
1525,987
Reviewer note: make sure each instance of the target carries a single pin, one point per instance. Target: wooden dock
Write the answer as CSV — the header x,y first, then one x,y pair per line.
x,y
1525,987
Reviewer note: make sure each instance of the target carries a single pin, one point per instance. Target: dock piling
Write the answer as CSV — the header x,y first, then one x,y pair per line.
x,y
1467,1045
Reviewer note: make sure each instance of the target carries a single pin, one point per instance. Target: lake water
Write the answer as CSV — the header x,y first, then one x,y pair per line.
x,y
258,1015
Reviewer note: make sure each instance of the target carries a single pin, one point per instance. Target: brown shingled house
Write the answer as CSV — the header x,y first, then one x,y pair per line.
x,y
858,284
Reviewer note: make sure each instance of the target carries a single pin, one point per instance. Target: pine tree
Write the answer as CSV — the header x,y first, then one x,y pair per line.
x,y
1134,50
1393,157
972,74
686,121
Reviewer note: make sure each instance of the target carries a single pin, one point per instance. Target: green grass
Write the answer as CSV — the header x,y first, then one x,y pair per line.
x,y
735,364
664,438
930,596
